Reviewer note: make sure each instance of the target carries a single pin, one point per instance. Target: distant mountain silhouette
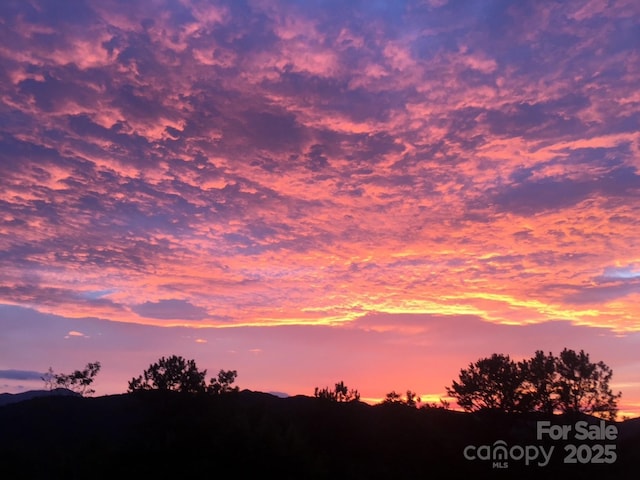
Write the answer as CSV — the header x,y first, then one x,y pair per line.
x,y
279,394
171,435
7,398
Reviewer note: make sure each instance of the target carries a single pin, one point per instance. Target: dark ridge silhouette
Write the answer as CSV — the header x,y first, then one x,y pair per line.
x,y
7,398
167,434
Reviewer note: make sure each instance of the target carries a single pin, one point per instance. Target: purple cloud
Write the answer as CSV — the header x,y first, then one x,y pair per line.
x,y
20,375
170,310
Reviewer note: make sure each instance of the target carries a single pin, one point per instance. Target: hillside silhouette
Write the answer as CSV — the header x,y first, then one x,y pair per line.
x,y
165,434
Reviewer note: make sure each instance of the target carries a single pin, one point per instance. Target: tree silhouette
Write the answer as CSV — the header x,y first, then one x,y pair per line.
x,y
79,381
341,393
584,386
222,384
569,383
177,374
172,373
490,383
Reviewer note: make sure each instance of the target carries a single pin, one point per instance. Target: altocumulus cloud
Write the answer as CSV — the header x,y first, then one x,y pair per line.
x,y
429,155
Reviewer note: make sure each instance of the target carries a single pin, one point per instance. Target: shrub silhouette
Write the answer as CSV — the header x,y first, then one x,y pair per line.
x,y
340,393
569,383
411,399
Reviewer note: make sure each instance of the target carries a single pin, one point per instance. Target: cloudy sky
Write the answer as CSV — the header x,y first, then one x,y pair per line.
x,y
378,192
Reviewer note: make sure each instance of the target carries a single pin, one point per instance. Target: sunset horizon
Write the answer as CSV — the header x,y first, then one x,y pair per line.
x,y
379,193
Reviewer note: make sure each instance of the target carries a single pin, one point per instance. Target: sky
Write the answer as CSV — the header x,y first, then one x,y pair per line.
x,y
378,192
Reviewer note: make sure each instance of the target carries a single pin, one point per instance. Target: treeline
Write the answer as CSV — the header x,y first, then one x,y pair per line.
x,y
567,383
